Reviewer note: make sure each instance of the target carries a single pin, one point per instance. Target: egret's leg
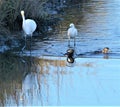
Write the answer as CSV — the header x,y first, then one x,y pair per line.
x,y
75,50
30,43
74,41
68,41
25,40
25,44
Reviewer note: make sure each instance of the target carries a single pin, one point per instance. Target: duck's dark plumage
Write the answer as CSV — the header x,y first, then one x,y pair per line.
x,y
70,55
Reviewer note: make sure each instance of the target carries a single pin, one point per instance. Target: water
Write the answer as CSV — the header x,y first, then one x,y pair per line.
x,y
44,78
98,25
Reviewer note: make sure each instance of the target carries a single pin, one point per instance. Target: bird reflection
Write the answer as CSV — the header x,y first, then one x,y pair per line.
x,y
70,59
70,55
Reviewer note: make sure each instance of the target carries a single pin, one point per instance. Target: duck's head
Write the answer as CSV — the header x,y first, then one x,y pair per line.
x,y
105,50
71,51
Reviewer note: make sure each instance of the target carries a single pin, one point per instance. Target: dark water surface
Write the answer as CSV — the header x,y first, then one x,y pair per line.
x,y
44,78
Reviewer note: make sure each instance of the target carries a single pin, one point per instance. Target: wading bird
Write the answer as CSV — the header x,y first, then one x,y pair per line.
x,y
29,26
72,33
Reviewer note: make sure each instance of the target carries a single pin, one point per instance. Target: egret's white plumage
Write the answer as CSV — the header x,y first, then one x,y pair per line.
x,y
72,32
28,25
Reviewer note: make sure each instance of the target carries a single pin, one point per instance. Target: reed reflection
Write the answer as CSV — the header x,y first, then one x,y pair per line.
x,y
30,81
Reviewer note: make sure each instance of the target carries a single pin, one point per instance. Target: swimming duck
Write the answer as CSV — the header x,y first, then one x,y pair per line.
x,y
105,50
70,53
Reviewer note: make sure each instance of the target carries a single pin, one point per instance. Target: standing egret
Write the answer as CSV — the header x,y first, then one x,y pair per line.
x,y
29,26
72,32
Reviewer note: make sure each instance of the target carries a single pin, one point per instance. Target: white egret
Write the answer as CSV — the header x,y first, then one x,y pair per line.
x,y
72,33
29,26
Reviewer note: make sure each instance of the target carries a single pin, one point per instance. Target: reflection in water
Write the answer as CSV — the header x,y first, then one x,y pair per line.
x,y
9,78
24,78
49,81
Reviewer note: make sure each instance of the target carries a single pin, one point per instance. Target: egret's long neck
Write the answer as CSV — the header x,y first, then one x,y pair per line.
x,y
23,17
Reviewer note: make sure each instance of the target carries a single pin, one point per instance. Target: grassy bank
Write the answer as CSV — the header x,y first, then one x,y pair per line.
x,y
10,18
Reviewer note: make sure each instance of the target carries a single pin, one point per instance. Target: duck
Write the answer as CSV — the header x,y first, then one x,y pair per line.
x,y
105,50
70,55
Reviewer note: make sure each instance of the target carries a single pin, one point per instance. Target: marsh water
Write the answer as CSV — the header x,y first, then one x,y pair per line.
x,y
43,77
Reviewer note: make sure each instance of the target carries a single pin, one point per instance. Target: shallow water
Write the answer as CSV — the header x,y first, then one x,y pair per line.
x,y
51,81
98,26
43,77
